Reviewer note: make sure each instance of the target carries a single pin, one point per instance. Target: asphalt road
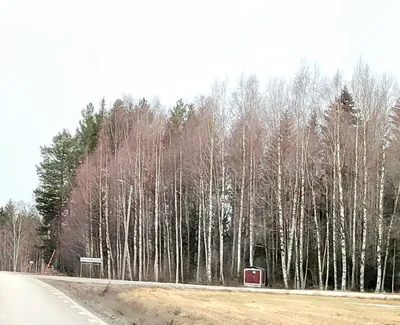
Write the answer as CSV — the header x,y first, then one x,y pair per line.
x,y
28,301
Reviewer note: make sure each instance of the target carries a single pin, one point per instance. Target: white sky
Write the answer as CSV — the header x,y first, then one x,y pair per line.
x,y
57,56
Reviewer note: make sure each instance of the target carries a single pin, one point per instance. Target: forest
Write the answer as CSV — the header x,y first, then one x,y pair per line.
x,y
300,176
20,241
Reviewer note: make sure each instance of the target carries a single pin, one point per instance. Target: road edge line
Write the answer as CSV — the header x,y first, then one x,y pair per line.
x,y
89,313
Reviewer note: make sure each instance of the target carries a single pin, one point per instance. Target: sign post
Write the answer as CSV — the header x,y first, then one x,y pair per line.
x,y
48,264
90,261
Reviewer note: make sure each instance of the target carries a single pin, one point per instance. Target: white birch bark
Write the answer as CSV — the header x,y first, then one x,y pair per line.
x,y
90,225
135,236
364,204
293,221
241,208
318,239
327,237
118,244
251,211
176,229
280,218
380,223
140,215
334,224
302,209
156,222
389,232
354,223
342,217
199,241
110,260
180,212
393,265
222,215
210,207
296,262
167,226
203,209
126,224
101,245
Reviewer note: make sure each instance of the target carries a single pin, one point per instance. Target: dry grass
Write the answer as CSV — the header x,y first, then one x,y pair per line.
x,y
210,307
127,305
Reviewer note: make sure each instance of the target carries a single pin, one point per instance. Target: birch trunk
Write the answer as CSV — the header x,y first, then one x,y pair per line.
x,y
146,241
318,239
241,208
302,208
296,262
90,225
327,236
251,212
380,223
135,237
364,204
188,238
199,242
394,265
167,226
101,245
222,216
280,218
140,227
334,225
251,200
128,257
101,225
176,229
307,259
156,221
392,219
203,209
210,208
101,191
234,243
353,249
118,244
293,220
126,224
110,259
180,214
341,211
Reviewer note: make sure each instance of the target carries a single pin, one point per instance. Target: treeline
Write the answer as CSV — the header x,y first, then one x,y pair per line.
x,y
19,241
301,177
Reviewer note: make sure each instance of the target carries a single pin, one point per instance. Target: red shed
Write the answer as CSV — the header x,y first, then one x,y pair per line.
x,y
254,276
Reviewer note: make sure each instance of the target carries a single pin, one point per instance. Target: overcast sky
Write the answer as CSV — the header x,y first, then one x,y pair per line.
x,y
57,56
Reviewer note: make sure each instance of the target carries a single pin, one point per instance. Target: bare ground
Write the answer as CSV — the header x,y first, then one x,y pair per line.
x,y
123,305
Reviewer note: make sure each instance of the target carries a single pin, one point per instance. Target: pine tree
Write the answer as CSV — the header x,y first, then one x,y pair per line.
x,y
3,216
7,212
347,105
56,175
89,128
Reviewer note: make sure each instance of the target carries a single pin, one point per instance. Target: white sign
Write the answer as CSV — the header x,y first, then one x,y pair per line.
x,y
91,260
30,262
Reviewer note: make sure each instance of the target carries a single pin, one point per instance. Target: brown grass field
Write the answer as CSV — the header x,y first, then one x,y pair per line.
x,y
169,306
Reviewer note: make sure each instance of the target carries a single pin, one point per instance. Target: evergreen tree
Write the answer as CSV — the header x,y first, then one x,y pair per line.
x,y
3,216
56,174
89,128
179,116
347,105
10,210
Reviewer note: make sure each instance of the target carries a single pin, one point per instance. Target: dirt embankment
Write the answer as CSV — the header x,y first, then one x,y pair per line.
x,y
114,305
128,305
